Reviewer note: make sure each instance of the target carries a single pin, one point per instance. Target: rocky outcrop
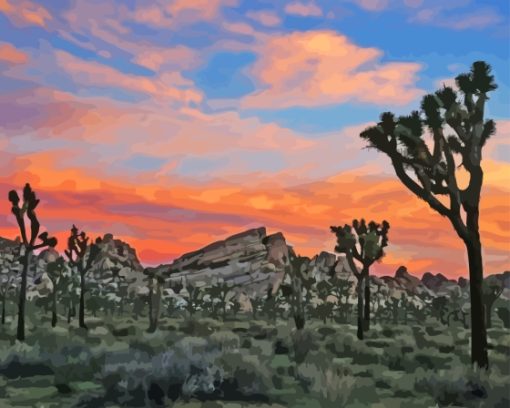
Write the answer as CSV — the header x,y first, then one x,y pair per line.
x,y
251,261
435,282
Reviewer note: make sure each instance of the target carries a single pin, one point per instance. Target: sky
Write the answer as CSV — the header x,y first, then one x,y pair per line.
x,y
172,124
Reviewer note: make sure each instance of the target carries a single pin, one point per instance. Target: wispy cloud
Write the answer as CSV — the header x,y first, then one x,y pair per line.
x,y
25,13
303,9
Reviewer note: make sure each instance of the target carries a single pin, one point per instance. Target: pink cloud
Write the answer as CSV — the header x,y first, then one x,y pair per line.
x,y
164,88
373,5
265,17
180,12
25,13
303,9
323,67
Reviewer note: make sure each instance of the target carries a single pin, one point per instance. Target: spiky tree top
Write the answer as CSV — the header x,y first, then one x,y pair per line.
x,y
30,203
429,169
77,246
362,242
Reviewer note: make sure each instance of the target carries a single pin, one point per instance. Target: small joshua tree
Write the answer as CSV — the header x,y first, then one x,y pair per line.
x,y
56,271
81,255
365,244
299,287
193,298
324,309
341,289
9,267
431,173
222,293
28,244
155,283
492,290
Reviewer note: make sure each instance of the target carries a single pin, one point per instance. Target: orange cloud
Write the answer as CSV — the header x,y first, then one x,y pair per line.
x,y
25,13
324,67
303,9
11,55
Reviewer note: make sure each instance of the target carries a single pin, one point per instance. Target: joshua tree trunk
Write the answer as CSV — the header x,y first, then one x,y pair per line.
x,y
299,320
3,309
359,291
366,321
154,306
20,334
54,308
488,317
479,354
81,312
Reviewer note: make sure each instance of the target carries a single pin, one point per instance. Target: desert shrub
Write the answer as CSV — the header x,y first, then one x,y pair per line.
x,y
334,386
200,327
263,348
225,340
443,342
429,358
190,365
22,360
134,378
462,386
74,363
348,345
123,376
341,344
304,341
261,330
245,375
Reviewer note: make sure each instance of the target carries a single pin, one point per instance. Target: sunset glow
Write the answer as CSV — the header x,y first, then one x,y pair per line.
x,y
172,124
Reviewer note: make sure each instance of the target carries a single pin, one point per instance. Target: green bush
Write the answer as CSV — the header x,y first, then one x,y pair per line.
x,y
225,340
304,341
244,374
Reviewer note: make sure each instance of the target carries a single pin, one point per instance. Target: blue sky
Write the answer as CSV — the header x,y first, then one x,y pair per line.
x,y
250,109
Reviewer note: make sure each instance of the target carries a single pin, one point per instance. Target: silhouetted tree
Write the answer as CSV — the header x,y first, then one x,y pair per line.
x,y
299,284
193,298
222,294
28,244
155,283
432,173
81,255
439,309
365,244
56,270
492,290
504,315
324,309
257,303
341,289
9,267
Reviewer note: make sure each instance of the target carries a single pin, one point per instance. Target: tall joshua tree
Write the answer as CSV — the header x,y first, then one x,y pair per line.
x,y
81,255
431,173
28,244
365,244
